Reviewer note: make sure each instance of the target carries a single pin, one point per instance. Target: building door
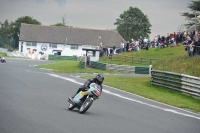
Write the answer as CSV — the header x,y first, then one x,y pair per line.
x,y
21,48
58,53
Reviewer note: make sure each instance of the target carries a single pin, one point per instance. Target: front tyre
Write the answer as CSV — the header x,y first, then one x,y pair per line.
x,y
71,106
86,105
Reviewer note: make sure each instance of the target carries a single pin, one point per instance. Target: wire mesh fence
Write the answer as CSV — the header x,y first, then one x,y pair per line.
x,y
7,43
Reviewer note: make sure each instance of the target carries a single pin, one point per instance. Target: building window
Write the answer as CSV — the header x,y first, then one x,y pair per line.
x,y
91,53
34,44
31,44
28,43
74,46
53,45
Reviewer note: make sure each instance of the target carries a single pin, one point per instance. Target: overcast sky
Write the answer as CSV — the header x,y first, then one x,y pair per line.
x,y
164,15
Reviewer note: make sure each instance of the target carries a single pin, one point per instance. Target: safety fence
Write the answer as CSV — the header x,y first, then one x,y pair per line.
x,y
81,64
183,83
59,57
8,43
120,68
131,60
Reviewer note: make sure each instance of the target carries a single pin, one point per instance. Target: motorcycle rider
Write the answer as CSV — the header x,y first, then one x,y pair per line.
x,y
2,59
98,80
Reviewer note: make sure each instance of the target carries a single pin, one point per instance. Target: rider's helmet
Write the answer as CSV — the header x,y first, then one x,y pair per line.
x,y
99,79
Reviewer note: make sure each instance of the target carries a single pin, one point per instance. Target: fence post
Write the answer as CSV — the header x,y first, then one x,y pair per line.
x,y
150,68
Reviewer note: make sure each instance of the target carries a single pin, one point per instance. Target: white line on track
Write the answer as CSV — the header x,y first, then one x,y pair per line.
x,y
123,97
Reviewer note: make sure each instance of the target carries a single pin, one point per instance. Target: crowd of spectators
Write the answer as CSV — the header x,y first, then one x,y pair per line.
x,y
190,40
106,51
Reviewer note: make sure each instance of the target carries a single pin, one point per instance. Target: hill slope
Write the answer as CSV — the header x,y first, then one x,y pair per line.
x,y
173,59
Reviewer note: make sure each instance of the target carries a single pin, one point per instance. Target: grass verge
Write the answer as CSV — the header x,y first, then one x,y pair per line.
x,y
183,64
3,54
71,67
141,86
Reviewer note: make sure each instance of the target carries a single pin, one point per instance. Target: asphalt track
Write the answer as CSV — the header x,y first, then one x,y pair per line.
x,y
35,101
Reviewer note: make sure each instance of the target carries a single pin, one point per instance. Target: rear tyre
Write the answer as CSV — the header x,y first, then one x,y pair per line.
x,y
86,105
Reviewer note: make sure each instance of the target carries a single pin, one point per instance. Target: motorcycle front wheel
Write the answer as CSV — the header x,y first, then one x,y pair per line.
x,y
71,106
86,105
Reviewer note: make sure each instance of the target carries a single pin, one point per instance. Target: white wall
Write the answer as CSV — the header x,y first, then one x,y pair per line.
x,y
66,49
96,57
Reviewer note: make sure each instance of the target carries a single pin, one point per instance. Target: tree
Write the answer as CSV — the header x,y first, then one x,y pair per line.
x,y
195,8
17,24
6,32
181,28
10,31
63,22
133,24
58,24
5,29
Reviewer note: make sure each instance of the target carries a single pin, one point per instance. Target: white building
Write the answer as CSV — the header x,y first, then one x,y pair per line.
x,y
38,40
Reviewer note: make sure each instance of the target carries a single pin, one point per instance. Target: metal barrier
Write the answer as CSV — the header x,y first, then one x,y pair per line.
x,y
98,65
131,60
81,64
179,82
59,57
120,68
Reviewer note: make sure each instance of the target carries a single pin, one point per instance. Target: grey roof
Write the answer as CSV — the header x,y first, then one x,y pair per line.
x,y
58,35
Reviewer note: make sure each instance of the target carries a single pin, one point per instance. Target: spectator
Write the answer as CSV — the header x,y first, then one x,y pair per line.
x,y
111,51
121,47
104,50
196,43
189,46
101,49
175,38
145,42
132,46
127,46
114,48
155,41
148,42
168,39
137,47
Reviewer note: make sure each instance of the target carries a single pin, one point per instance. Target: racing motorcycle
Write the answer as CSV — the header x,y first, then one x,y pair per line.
x,y
84,99
3,60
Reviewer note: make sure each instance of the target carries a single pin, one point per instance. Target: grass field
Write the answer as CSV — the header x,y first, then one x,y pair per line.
x,y
71,67
3,54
